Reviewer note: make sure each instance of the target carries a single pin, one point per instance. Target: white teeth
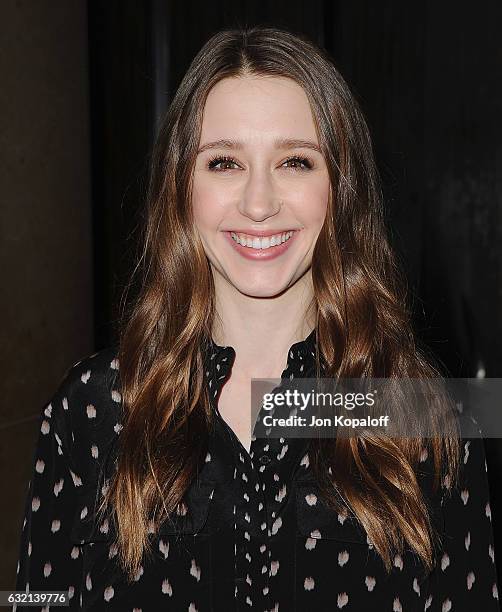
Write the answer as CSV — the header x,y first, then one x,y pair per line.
x,y
261,243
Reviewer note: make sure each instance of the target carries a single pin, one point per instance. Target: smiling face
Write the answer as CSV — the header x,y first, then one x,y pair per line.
x,y
261,185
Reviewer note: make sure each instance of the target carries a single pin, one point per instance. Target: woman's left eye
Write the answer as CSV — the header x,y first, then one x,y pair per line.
x,y
301,160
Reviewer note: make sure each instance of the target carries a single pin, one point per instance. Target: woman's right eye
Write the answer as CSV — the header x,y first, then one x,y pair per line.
x,y
220,159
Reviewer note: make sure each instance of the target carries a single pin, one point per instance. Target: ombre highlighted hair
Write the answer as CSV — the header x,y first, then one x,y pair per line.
x,y
362,320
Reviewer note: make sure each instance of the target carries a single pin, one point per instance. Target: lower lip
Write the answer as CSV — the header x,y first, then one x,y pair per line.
x,y
262,254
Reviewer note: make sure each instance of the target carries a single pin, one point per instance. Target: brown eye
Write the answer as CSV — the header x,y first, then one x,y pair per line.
x,y
307,163
221,159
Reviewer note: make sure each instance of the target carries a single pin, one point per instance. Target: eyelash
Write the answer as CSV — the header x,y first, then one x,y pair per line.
x,y
214,161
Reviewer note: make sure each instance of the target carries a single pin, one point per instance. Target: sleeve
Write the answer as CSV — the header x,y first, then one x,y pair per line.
x,y
47,559
465,578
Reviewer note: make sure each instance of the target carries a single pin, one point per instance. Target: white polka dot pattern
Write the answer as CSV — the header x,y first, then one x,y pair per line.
x,y
253,532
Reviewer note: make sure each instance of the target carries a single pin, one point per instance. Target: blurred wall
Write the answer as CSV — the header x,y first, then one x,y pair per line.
x,y
46,308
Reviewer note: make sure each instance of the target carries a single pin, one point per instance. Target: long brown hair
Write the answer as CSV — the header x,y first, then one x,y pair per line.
x,y
362,321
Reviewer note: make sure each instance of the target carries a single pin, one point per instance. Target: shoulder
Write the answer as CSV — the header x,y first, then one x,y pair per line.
x,y
92,379
99,364
85,410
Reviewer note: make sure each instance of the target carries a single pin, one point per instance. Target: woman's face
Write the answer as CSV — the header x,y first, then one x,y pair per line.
x,y
251,183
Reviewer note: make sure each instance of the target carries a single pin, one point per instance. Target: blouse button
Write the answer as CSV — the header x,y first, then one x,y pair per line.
x,y
264,459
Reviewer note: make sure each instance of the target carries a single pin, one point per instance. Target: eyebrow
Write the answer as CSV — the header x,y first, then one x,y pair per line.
x,y
279,143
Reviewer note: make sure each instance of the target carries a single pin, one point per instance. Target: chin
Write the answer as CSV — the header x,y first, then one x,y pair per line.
x,y
262,288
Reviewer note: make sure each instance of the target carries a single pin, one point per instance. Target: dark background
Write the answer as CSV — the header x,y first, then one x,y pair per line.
x,y
427,76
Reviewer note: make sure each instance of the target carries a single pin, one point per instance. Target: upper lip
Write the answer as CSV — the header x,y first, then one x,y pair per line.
x,y
262,233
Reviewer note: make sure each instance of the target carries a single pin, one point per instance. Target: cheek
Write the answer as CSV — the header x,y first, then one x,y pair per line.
x,y
312,204
207,207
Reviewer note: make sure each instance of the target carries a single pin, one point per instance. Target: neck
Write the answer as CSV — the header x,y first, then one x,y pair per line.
x,y
262,329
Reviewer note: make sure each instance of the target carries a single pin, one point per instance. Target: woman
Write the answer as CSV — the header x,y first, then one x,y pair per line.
x,y
264,256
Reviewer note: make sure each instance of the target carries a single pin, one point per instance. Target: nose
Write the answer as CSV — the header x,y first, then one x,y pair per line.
x,y
259,199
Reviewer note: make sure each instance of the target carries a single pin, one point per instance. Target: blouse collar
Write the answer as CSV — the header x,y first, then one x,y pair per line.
x,y
218,359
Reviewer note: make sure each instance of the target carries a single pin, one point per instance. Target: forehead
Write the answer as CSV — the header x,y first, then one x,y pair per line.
x,y
253,108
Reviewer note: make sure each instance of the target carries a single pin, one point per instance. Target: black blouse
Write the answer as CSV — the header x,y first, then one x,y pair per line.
x,y
252,532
